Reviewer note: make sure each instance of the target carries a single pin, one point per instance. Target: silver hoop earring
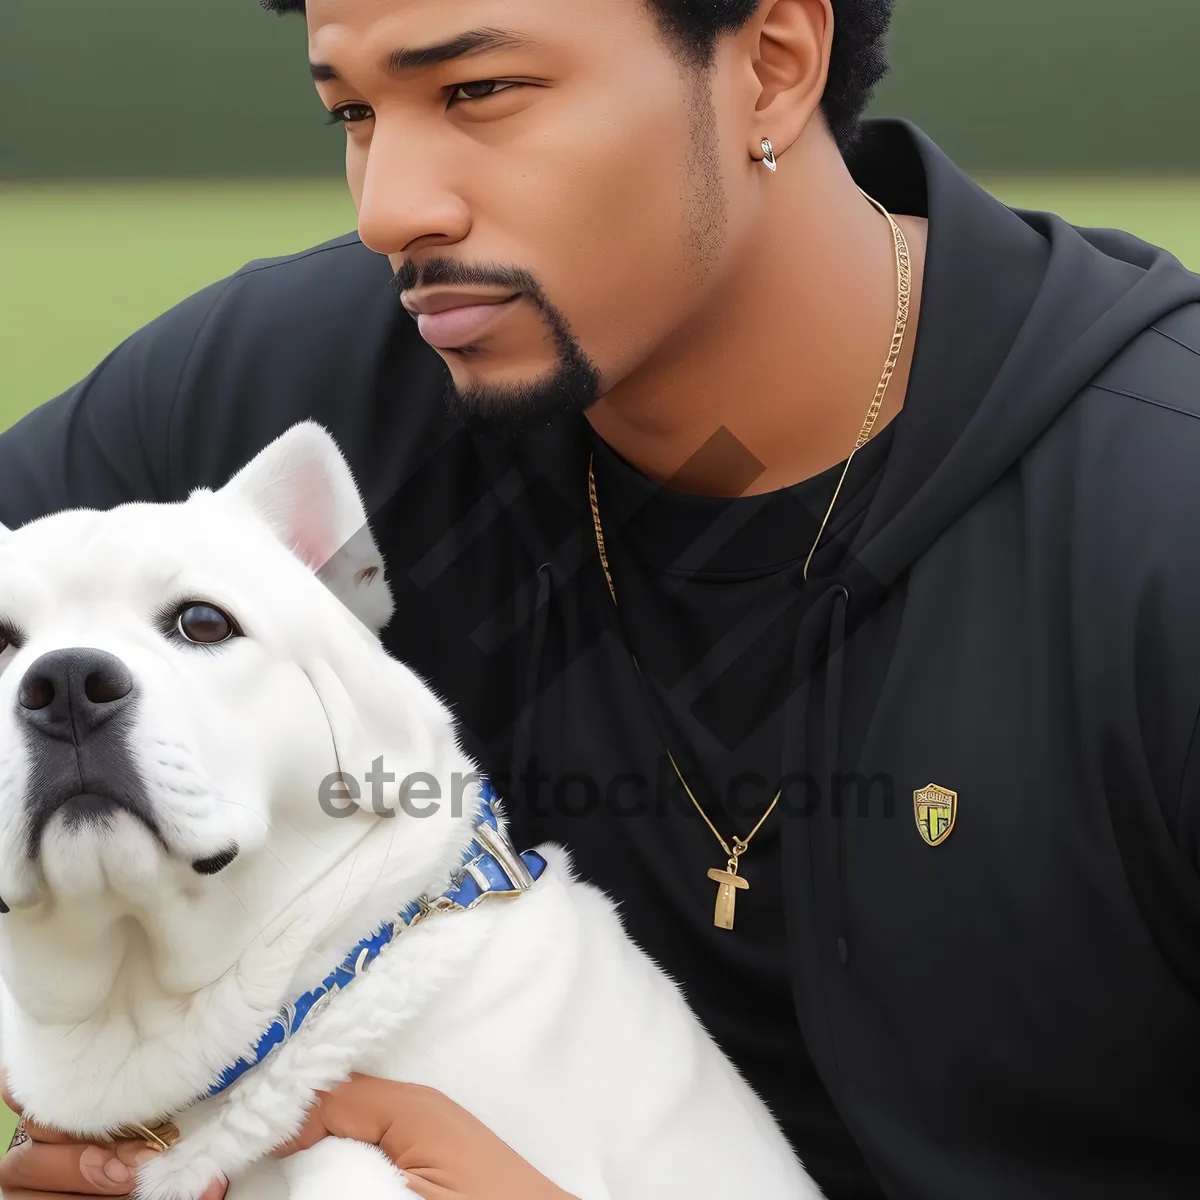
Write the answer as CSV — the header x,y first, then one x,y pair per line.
x,y
768,158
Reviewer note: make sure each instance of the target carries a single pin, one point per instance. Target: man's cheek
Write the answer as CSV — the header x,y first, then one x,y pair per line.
x,y
356,173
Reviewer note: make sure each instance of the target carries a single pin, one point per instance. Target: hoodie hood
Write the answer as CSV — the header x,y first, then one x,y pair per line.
x,y
1043,307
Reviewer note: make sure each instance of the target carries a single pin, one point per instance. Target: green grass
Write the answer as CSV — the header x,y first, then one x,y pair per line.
x,y
1164,211
86,265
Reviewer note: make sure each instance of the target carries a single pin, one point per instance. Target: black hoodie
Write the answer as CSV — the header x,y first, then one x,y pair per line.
x,y
1012,617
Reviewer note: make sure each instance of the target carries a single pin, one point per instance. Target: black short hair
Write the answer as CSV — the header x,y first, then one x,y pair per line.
x,y
857,63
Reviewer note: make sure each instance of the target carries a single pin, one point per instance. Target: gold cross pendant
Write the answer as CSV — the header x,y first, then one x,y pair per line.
x,y
730,881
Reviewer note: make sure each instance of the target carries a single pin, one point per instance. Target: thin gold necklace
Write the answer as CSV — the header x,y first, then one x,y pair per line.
x,y
729,880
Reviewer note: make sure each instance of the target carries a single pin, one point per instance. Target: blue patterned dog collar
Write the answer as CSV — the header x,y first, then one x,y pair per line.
x,y
490,867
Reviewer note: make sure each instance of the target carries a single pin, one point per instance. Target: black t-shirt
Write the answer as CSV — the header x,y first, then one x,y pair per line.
x,y
709,605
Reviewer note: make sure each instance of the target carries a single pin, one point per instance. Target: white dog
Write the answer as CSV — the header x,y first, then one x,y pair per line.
x,y
192,699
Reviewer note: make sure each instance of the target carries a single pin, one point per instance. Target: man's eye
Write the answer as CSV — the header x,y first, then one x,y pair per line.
x,y
349,114
481,89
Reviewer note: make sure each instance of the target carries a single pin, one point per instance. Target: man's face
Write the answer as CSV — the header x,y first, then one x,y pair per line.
x,y
560,183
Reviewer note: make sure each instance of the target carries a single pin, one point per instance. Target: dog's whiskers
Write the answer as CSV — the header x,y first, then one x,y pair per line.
x,y
299,833
225,883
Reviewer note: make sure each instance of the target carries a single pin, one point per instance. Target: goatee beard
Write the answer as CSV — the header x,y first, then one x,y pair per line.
x,y
573,385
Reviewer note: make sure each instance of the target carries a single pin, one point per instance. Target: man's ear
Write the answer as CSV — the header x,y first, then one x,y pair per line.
x,y
301,486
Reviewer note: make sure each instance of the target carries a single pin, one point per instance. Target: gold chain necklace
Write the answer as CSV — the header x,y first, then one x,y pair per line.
x,y
729,880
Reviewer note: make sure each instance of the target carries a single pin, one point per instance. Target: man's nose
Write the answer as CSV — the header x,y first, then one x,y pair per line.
x,y
67,694
409,200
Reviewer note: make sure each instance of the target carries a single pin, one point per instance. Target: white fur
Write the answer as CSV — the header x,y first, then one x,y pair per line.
x,y
128,980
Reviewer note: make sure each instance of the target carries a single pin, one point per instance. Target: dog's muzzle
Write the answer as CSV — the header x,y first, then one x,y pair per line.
x,y
75,707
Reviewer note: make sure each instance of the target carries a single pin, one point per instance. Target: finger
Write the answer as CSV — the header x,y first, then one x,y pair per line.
x,y
37,1132
133,1154
87,1170
216,1191
27,1194
59,1137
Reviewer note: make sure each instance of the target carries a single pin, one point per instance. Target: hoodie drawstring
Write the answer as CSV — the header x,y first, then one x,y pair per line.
x,y
812,833
818,760
832,717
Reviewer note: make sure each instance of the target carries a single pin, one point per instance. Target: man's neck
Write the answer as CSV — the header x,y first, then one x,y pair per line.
x,y
770,382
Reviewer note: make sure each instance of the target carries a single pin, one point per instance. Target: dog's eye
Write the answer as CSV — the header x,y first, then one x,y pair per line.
x,y
206,624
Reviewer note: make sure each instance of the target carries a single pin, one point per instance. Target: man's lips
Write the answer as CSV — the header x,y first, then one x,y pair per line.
x,y
449,320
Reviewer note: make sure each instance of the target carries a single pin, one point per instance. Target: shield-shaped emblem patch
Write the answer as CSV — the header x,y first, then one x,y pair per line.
x,y
935,809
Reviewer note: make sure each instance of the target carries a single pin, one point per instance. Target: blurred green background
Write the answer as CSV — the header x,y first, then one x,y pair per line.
x,y
149,148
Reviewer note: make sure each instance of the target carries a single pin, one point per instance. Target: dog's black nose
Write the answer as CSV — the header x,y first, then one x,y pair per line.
x,y
67,694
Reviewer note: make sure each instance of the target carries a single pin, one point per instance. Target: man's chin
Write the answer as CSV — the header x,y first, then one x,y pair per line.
x,y
508,409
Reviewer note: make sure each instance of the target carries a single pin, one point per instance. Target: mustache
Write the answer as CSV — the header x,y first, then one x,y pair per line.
x,y
447,272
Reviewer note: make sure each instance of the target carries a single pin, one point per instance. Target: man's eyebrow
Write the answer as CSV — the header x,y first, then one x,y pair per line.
x,y
474,41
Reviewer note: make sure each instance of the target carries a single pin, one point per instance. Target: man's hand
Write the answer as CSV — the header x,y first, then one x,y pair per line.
x,y
55,1165
443,1151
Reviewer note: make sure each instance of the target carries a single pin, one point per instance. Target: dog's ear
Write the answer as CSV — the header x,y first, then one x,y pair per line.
x,y
302,487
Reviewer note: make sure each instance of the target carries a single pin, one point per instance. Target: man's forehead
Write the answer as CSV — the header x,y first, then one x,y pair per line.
x,y
429,15
340,26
